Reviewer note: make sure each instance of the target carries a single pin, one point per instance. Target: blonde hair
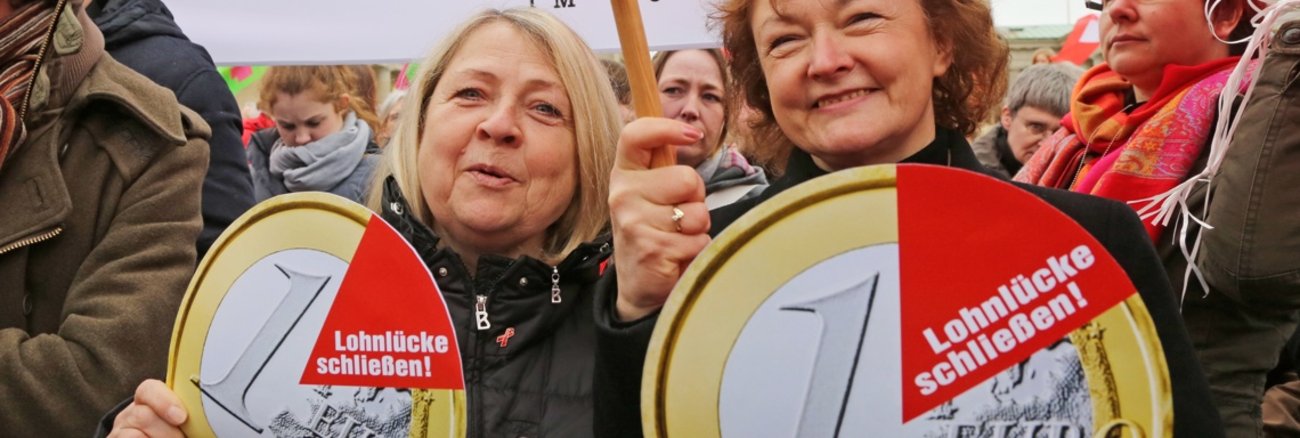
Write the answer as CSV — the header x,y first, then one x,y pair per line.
x,y
596,125
327,82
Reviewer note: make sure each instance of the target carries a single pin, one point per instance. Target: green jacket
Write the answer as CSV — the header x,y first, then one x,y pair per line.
x,y
1251,258
97,230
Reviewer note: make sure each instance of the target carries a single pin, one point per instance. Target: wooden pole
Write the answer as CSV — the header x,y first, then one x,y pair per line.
x,y
640,75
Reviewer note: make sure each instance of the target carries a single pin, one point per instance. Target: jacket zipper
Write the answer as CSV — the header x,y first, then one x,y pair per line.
x,y
475,396
40,59
31,240
22,115
481,313
555,285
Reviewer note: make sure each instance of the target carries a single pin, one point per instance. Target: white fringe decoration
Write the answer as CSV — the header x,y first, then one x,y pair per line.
x,y
1160,209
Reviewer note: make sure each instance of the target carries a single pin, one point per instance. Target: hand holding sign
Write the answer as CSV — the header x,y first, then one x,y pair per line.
x,y
650,252
155,411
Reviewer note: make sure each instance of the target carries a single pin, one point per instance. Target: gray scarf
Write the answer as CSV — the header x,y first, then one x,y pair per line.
x,y
324,163
728,169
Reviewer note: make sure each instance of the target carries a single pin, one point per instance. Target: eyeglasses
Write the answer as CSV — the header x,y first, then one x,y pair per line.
x,y
1094,5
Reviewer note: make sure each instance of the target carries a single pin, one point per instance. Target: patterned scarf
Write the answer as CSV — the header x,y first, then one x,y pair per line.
x,y
1102,149
22,37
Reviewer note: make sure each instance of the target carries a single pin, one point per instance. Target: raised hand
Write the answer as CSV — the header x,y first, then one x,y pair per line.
x,y
659,218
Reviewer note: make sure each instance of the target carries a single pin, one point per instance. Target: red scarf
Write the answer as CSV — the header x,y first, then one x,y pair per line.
x,y
22,36
1103,150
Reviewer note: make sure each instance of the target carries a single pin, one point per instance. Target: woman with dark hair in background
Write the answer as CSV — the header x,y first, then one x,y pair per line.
x,y
693,88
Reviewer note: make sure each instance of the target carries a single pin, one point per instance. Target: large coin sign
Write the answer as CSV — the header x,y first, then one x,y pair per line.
x,y
905,301
311,316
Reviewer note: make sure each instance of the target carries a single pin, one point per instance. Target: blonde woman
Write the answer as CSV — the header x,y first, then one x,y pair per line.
x,y
498,176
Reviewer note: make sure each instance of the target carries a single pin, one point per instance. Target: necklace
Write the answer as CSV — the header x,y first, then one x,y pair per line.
x,y
1084,159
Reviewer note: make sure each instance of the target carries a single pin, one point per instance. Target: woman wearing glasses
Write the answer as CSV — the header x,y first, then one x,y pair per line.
x,y
1139,125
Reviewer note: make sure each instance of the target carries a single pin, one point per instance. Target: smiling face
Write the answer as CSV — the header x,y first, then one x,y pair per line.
x,y
497,157
302,118
850,80
691,90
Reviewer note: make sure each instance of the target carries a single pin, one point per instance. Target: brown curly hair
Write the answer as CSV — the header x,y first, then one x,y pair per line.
x,y
963,97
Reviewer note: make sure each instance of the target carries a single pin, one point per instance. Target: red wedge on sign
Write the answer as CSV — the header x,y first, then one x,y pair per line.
x,y
388,326
1028,279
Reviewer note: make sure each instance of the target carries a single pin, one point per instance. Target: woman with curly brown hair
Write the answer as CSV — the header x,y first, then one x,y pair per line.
x,y
839,84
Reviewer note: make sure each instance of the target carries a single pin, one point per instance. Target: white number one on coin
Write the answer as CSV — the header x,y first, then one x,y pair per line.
x,y
844,316
231,391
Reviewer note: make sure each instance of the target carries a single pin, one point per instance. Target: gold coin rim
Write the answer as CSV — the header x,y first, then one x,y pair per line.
x,y
194,317
676,313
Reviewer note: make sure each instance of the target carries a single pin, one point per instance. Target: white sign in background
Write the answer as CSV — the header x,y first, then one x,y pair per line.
x,y
266,32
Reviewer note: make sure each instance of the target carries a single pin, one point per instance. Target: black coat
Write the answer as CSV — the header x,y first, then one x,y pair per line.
x,y
621,346
142,35
539,383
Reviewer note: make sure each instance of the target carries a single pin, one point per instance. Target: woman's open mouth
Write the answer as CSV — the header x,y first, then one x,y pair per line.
x,y
490,176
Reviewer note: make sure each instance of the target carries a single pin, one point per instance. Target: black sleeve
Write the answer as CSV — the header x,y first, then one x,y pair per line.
x,y
227,187
620,355
106,422
1125,238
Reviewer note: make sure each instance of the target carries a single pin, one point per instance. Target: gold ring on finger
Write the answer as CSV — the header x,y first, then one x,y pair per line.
x,y
678,214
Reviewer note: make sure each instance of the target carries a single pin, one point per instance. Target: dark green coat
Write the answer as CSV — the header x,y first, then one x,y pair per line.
x,y
97,230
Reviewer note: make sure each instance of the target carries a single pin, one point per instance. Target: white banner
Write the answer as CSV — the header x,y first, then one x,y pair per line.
x,y
261,32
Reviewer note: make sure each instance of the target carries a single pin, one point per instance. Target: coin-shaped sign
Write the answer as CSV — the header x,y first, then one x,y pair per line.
x,y
905,301
311,316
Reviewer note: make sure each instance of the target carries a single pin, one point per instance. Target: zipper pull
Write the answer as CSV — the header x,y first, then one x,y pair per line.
x,y
555,285
480,312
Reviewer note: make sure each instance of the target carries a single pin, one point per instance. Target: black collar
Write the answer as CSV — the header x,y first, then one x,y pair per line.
x,y
947,144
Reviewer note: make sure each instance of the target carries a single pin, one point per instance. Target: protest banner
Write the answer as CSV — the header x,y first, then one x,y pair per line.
x,y
905,301
311,316
278,32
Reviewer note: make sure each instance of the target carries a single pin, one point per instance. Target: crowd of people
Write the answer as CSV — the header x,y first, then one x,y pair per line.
x,y
514,158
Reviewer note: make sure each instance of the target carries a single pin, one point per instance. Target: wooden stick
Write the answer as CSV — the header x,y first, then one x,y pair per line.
x,y
640,75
